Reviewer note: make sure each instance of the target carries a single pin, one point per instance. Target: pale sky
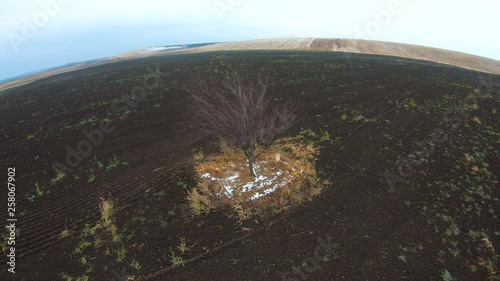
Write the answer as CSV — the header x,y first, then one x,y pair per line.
x,y
39,34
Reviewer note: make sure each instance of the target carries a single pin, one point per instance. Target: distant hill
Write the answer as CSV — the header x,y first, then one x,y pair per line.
x,y
365,47
37,75
453,58
159,50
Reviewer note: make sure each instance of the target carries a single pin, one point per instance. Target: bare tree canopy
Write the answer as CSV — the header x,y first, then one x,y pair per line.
x,y
239,111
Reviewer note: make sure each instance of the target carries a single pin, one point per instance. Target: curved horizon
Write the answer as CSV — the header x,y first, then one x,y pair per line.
x,y
369,47
39,35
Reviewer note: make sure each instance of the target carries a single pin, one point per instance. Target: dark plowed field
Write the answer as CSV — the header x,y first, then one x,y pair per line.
x,y
413,155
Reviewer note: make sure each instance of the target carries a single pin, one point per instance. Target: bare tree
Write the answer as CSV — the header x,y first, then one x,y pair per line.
x,y
239,111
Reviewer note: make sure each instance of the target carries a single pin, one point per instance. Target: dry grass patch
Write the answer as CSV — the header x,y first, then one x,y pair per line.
x,y
103,235
108,210
66,232
225,179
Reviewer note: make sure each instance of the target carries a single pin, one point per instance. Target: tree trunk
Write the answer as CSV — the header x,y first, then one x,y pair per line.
x,y
249,153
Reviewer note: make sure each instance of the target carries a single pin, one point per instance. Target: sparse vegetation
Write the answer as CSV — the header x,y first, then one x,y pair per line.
x,y
113,163
175,260
325,137
82,246
408,104
198,156
91,177
136,265
38,189
103,234
65,276
5,244
59,176
65,233
163,222
446,276
182,246
121,253
108,211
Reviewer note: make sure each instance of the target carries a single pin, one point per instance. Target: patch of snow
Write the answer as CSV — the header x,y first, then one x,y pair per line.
x,y
261,185
260,178
229,190
209,176
159,49
265,192
249,186
233,178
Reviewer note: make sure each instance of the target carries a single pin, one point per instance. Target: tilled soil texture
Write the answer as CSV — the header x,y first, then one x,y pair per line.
x,y
412,154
